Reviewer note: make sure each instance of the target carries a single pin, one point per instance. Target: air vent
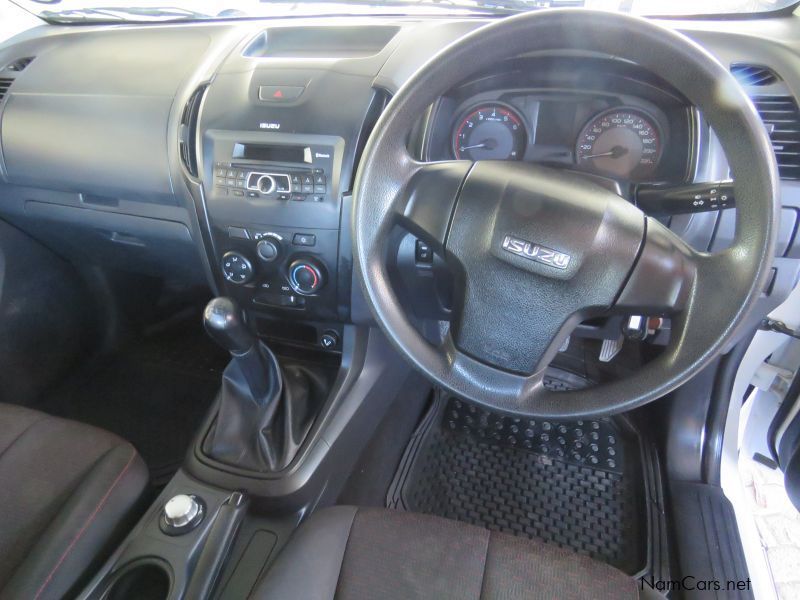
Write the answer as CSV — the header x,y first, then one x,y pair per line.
x,y
754,75
19,64
781,117
188,134
5,83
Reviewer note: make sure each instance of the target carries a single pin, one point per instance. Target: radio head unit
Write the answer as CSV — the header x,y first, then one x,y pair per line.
x,y
276,172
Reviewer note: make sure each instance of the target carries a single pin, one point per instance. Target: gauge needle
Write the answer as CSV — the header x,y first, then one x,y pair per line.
x,y
615,152
489,144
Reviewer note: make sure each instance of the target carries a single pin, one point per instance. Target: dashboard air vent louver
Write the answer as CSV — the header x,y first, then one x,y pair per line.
x,y
188,134
781,117
19,64
5,84
754,75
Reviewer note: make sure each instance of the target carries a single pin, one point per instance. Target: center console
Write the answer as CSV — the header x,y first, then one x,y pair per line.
x,y
270,146
274,209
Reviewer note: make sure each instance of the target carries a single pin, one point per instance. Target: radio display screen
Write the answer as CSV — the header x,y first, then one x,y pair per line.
x,y
272,153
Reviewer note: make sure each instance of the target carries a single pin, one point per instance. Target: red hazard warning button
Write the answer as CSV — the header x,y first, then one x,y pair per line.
x,y
280,93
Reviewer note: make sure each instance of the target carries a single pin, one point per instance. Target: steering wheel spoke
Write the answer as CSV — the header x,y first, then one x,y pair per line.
x,y
662,278
425,204
520,338
498,382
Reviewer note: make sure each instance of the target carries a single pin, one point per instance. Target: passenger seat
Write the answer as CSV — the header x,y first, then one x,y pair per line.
x,y
65,491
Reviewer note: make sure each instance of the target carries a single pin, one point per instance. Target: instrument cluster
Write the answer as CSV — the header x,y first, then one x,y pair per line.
x,y
620,127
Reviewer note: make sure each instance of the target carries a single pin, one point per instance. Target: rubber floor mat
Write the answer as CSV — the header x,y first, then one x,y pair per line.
x,y
576,484
154,393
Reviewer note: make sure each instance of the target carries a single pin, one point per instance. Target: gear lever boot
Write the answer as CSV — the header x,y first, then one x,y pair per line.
x,y
265,411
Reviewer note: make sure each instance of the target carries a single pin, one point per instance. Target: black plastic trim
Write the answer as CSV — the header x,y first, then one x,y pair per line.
x,y
718,409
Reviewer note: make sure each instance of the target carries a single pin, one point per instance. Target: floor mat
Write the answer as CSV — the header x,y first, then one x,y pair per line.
x,y
576,484
154,393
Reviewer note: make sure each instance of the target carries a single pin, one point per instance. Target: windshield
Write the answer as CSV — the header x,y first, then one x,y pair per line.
x,y
81,11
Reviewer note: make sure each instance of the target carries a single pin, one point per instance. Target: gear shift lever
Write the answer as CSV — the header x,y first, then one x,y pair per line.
x,y
265,411
224,323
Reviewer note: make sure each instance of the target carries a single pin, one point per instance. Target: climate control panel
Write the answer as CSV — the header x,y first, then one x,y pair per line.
x,y
281,269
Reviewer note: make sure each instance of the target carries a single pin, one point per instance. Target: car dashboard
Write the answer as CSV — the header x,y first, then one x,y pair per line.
x,y
225,153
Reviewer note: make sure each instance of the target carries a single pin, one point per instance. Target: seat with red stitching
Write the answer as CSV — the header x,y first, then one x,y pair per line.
x,y
65,487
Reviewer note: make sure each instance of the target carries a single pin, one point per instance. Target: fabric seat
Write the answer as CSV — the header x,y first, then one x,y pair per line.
x,y
65,492
349,553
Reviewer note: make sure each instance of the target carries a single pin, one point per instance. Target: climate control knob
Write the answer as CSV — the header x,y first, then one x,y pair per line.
x,y
305,276
236,268
268,250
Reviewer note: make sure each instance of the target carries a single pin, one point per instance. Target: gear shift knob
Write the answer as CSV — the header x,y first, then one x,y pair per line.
x,y
224,321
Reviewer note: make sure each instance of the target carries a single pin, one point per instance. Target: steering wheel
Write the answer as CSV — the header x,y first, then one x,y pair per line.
x,y
537,250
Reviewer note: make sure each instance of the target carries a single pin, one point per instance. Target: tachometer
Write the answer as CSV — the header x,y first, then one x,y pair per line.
x,y
490,132
621,142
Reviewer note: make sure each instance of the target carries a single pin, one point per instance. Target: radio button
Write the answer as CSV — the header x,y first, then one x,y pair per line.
x,y
298,197
266,184
308,189
318,198
320,179
282,183
308,180
296,179
319,189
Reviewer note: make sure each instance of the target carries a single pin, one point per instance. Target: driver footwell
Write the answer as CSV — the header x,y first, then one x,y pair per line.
x,y
591,486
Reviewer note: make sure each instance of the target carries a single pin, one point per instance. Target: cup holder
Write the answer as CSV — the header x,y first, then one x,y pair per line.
x,y
140,581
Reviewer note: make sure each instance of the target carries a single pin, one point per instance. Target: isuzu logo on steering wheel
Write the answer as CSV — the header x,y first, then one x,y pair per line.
x,y
536,252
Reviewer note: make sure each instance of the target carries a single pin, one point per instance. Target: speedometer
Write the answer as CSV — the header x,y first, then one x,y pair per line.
x,y
490,132
621,142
